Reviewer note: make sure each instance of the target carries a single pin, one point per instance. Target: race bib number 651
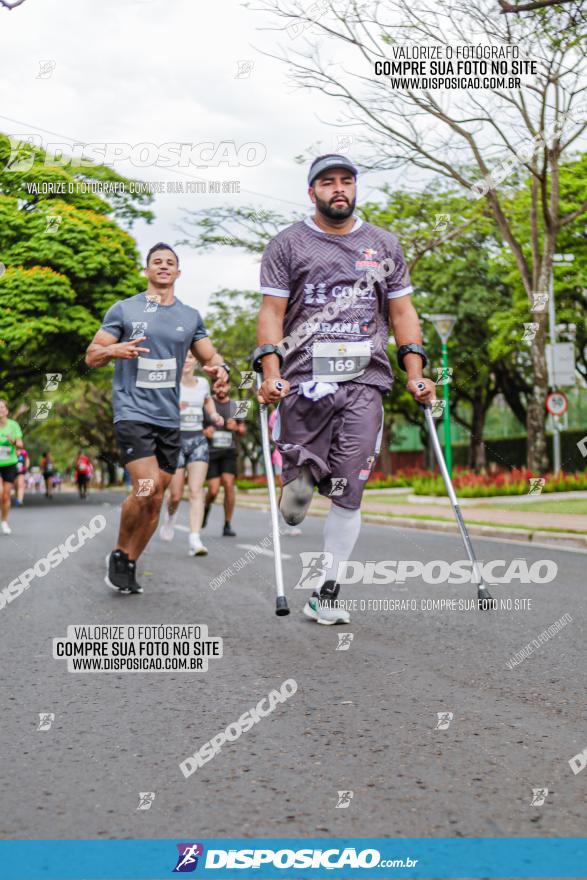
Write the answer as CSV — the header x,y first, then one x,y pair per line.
x,y
156,373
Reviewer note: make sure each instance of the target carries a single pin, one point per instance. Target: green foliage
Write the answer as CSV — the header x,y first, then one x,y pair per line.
x,y
80,418
67,260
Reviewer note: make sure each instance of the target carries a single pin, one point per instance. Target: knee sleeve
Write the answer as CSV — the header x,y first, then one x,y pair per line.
x,y
296,497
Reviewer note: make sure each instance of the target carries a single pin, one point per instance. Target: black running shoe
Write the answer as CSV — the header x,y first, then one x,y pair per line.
x,y
132,572
206,515
228,531
117,574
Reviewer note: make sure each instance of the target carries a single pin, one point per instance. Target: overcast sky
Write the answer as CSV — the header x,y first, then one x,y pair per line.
x,y
186,71
158,71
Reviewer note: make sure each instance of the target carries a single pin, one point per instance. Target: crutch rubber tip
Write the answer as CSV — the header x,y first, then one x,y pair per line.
x,y
281,606
486,600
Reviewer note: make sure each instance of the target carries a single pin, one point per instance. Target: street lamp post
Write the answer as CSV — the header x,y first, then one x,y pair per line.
x,y
443,324
557,260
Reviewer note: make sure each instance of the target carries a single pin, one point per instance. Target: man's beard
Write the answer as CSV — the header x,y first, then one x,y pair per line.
x,y
333,213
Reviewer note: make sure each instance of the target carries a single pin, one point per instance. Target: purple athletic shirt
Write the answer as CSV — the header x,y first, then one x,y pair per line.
x,y
312,268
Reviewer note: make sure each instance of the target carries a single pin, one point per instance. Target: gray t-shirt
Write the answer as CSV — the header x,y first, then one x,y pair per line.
x,y
312,269
146,389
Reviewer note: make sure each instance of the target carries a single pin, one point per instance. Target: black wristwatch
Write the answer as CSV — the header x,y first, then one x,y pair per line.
x,y
226,368
262,351
412,348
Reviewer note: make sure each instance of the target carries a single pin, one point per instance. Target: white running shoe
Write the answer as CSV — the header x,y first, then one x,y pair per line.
x,y
327,616
321,613
167,530
6,530
311,607
196,547
292,532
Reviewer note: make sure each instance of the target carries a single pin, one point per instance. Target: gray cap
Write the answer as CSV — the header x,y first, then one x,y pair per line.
x,y
325,163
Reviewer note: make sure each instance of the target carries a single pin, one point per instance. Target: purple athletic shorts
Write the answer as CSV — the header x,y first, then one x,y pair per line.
x,y
338,437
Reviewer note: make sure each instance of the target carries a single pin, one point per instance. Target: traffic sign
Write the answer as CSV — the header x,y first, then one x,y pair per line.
x,y
561,366
557,403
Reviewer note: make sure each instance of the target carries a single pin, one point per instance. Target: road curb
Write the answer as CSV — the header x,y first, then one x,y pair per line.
x,y
553,539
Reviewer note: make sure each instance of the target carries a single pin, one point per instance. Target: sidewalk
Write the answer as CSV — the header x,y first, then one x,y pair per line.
x,y
556,529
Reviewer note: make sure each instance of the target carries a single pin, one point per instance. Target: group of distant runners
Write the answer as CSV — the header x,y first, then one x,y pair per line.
x,y
15,469
334,287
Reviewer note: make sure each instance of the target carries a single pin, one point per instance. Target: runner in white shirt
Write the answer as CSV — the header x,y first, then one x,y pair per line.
x,y
195,396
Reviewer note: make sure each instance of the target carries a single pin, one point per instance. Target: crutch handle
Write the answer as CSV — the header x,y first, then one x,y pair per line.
x,y
424,406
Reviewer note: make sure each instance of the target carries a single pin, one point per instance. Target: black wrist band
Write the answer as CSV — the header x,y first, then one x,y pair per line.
x,y
226,368
262,351
412,348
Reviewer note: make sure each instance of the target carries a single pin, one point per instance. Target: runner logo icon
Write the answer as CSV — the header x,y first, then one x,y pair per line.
x,y
139,328
146,799
539,795
314,564
46,719
444,719
188,857
337,486
344,800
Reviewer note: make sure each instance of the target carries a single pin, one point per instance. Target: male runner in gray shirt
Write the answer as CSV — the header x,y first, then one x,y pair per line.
x,y
331,286
149,336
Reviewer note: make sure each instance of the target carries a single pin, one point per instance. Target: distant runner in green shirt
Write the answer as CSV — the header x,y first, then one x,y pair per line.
x,y
10,442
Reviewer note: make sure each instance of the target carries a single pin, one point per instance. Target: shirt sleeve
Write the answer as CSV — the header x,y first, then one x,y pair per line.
x,y
398,282
17,431
275,279
199,331
113,321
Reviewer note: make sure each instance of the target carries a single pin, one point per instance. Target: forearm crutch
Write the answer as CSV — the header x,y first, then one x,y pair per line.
x,y
281,606
486,601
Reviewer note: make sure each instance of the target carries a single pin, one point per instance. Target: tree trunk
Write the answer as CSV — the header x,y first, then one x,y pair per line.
x,y
240,464
384,460
477,456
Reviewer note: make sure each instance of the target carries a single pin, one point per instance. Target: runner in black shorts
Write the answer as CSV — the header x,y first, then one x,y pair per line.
x,y
332,285
10,443
149,335
222,464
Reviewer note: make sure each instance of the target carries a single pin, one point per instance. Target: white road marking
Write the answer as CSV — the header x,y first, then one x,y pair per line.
x,y
261,551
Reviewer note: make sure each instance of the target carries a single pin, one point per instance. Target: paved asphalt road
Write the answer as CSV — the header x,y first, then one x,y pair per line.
x,y
362,720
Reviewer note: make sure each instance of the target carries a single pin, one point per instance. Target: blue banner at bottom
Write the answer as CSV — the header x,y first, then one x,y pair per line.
x,y
289,858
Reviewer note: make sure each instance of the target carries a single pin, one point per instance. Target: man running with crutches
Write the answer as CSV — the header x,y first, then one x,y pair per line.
x,y
332,285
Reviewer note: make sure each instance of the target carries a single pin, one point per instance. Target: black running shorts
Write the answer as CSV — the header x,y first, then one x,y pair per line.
x,y
9,473
142,440
225,463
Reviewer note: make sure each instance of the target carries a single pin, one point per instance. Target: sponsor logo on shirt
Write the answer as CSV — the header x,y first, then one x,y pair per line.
x,y
317,294
350,328
367,260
